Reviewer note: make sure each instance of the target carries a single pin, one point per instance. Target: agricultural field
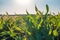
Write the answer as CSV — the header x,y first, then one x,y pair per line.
x,y
30,27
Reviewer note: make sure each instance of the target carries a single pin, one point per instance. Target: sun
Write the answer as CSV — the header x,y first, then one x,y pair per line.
x,y
23,2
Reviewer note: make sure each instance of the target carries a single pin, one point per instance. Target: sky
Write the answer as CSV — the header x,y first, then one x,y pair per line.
x,y
20,6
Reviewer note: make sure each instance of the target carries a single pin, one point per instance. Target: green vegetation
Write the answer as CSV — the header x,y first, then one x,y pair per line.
x,y
30,27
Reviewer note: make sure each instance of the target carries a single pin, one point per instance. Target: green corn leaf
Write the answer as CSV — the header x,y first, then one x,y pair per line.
x,y
36,9
39,25
55,33
27,12
47,8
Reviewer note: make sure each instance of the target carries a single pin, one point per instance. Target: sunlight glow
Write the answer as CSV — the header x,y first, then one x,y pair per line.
x,y
23,2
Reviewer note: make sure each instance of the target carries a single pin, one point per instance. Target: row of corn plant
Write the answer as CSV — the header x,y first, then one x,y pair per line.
x,y
30,27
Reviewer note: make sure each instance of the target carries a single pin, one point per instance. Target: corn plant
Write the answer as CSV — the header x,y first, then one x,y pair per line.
x,y
30,27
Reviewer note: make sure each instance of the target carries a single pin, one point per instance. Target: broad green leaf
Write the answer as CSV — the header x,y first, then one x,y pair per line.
x,y
55,33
